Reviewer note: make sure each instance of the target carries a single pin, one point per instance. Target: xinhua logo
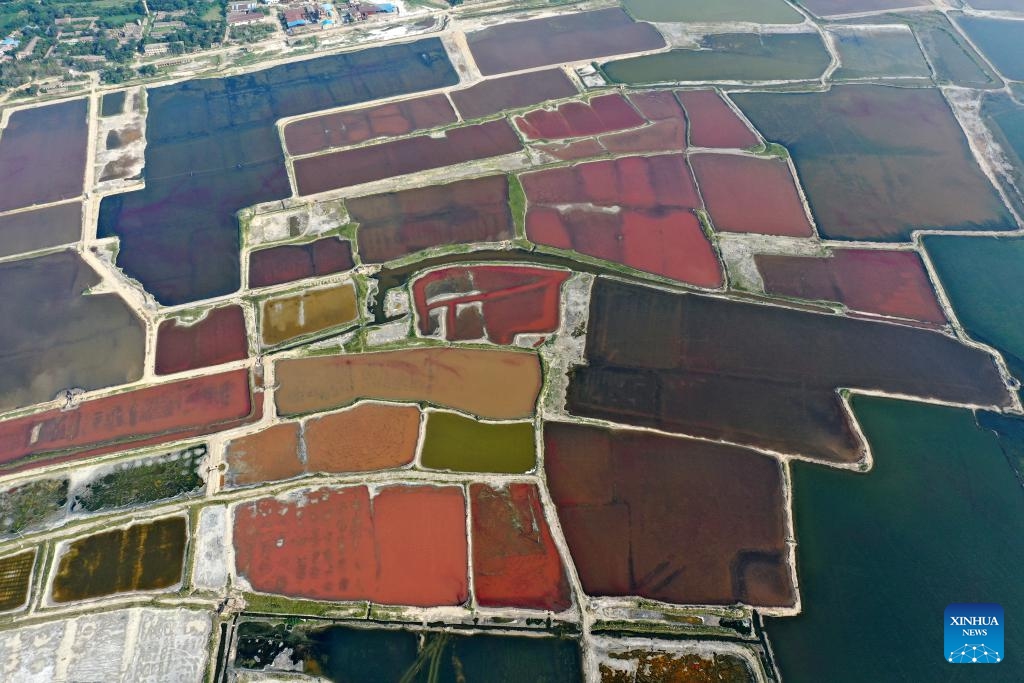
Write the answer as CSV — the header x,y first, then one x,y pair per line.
x,y
974,633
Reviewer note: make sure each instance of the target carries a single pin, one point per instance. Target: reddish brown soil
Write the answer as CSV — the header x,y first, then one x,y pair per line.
x,y
677,520
713,123
578,119
521,45
358,125
571,151
662,136
397,224
144,416
399,157
640,216
514,299
406,546
875,281
218,338
515,562
278,265
748,194
368,437
489,384
512,92
269,455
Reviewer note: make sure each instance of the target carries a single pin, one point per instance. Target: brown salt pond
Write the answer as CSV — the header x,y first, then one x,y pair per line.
x,y
677,520
405,546
155,414
268,455
42,154
289,262
879,162
750,194
870,280
56,336
572,37
397,224
364,438
500,385
289,317
220,337
15,574
515,561
369,436
409,155
142,557
359,125
636,211
760,375
40,229
512,92
713,123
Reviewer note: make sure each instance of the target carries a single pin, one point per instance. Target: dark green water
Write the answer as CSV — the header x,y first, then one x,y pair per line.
x,y
729,57
453,442
982,277
338,653
881,554
757,11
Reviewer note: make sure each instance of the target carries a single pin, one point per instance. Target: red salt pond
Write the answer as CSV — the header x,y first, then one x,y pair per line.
x,y
410,155
713,123
578,119
751,194
405,546
145,416
677,520
633,210
289,262
218,338
515,562
358,125
499,384
870,280
397,224
666,131
512,92
506,300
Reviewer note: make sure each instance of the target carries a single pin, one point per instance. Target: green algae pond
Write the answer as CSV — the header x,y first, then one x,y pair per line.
x,y
889,53
881,554
461,444
754,11
954,61
982,277
729,57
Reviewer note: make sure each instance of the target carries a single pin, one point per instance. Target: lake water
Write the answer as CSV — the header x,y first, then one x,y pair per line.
x,y
881,554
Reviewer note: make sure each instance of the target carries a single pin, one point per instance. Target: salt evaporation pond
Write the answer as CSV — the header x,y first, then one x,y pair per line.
x,y
213,149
